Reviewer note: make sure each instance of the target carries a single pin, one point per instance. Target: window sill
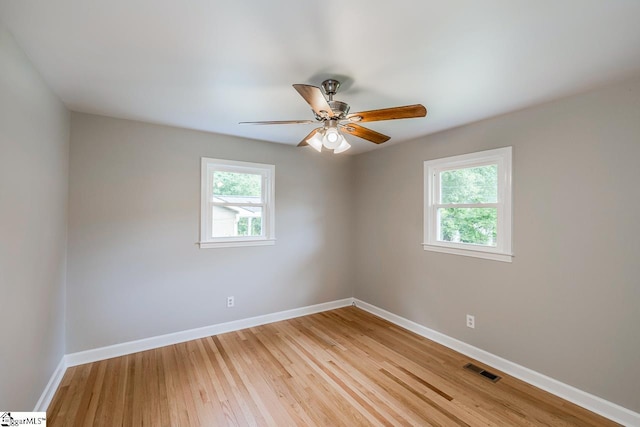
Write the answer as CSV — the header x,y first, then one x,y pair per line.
x,y
494,256
234,243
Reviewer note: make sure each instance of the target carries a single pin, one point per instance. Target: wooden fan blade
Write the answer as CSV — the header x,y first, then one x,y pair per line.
x,y
314,97
280,122
406,112
365,133
304,140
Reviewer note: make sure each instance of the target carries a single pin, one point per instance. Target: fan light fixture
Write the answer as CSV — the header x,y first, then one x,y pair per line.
x,y
329,138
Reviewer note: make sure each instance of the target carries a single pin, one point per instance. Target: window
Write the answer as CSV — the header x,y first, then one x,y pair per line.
x,y
467,209
237,207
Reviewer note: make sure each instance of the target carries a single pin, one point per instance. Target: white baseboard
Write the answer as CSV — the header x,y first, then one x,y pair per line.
x,y
588,401
122,349
52,386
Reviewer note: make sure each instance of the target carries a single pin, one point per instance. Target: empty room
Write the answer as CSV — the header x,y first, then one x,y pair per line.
x,y
412,213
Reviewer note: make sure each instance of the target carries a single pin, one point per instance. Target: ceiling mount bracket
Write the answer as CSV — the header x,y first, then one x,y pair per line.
x,y
330,87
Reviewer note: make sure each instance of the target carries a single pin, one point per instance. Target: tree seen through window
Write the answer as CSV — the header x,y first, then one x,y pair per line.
x,y
476,225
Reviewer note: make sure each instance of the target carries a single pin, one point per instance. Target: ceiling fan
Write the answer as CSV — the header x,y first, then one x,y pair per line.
x,y
334,117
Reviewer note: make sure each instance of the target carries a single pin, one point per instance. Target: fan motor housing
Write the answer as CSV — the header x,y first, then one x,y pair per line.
x,y
340,109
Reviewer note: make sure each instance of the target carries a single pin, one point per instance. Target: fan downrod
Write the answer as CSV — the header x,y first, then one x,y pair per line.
x,y
340,109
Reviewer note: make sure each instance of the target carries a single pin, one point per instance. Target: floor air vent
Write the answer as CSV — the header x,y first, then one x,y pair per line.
x,y
478,370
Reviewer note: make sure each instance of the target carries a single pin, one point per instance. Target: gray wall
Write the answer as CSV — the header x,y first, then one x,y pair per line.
x,y
135,270
34,148
568,305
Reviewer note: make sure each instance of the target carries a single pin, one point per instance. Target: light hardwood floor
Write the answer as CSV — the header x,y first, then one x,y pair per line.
x,y
343,367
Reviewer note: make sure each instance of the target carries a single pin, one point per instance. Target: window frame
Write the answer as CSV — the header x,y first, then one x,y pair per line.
x,y
502,157
208,167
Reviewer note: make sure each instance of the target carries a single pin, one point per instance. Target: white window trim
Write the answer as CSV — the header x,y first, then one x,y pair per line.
x,y
209,165
503,249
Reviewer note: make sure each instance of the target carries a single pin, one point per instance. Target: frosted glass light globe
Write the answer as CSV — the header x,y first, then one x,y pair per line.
x,y
344,146
331,139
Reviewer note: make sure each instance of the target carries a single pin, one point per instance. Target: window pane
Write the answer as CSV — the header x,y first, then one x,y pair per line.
x,y
233,221
237,185
468,225
470,185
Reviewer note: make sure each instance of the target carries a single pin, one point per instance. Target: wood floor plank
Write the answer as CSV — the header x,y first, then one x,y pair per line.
x,y
344,367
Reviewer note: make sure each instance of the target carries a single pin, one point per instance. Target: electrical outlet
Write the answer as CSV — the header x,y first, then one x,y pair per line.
x,y
230,302
471,321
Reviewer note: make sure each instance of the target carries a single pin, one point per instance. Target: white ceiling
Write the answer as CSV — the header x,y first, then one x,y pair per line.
x,y
207,65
